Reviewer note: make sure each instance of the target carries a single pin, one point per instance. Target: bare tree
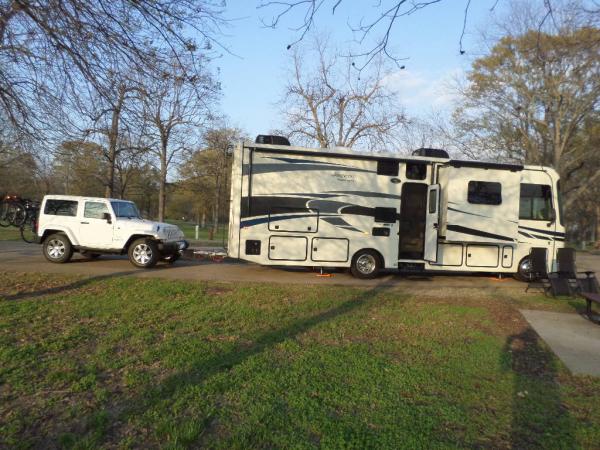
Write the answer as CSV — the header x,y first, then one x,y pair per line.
x,y
379,20
175,106
78,40
328,105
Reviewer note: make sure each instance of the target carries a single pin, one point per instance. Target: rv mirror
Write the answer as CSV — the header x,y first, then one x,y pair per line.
x,y
552,216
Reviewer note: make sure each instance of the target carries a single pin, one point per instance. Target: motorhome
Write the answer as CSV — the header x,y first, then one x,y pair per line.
x,y
373,211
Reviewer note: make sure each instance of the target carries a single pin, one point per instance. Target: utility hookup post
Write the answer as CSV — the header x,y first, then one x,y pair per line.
x,y
197,231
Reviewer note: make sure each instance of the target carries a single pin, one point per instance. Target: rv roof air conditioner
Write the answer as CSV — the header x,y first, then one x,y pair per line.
x,y
431,152
272,140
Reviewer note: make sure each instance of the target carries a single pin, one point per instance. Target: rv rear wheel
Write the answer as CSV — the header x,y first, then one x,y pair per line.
x,y
366,264
524,271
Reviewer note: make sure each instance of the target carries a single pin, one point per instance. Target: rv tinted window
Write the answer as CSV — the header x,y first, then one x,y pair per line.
x,y
385,215
389,168
61,208
485,193
416,171
535,202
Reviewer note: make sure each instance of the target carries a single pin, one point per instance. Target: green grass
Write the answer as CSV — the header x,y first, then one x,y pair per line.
x,y
119,362
9,234
189,229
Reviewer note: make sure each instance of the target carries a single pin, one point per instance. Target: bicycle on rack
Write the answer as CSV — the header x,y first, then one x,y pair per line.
x,y
27,220
8,210
21,213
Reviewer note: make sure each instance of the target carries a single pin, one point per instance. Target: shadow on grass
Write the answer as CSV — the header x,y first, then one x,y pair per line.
x,y
65,287
539,419
202,369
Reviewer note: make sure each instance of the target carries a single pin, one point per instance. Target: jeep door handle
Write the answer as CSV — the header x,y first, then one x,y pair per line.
x,y
84,223
435,225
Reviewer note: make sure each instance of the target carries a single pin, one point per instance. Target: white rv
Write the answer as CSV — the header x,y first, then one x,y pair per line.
x,y
341,208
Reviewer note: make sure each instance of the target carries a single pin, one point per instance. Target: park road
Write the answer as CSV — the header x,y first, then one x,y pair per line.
x,y
16,256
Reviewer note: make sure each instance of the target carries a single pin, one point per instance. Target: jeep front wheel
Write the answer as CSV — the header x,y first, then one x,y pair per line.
x,y
57,248
143,253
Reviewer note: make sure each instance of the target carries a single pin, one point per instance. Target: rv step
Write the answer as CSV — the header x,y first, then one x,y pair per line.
x,y
411,267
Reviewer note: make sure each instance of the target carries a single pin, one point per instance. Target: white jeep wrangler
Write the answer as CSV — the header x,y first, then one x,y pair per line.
x,y
93,226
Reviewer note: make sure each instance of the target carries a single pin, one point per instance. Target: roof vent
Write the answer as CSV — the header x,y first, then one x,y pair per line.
x,y
431,152
272,140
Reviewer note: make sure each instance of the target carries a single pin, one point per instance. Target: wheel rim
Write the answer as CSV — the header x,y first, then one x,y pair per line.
x,y
366,264
142,254
525,268
55,249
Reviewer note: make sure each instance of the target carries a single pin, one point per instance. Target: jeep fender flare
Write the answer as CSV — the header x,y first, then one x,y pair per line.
x,y
47,231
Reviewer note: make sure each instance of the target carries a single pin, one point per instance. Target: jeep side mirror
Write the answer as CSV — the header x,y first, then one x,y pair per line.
x,y
106,216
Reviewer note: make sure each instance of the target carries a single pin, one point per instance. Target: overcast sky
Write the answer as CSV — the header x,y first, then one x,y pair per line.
x,y
253,80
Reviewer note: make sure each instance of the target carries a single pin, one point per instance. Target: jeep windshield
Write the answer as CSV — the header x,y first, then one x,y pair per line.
x,y
125,209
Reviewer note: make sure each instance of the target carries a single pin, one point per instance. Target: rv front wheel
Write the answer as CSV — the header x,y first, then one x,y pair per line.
x,y
524,271
365,264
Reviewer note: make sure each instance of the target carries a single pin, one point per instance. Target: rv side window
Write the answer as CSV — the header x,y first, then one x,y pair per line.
x,y
484,193
535,202
389,168
385,215
416,171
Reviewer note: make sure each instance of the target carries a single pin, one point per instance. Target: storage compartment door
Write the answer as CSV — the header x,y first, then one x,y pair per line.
x,y
287,248
482,255
295,220
330,249
431,223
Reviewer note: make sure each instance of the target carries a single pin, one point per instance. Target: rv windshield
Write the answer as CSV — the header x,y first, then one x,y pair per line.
x,y
125,209
560,203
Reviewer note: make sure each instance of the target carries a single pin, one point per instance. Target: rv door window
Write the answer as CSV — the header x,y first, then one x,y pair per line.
x,y
535,202
485,193
432,201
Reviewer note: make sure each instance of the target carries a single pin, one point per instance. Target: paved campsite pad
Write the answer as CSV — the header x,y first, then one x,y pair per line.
x,y
574,339
17,256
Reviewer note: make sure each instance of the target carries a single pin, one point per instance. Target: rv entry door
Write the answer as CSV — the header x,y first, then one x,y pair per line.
x,y
432,223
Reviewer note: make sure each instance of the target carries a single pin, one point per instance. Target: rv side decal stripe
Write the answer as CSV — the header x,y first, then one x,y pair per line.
x,y
535,236
465,212
551,233
473,232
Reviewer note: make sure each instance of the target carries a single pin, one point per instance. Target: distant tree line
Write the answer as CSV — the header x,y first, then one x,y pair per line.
x,y
118,98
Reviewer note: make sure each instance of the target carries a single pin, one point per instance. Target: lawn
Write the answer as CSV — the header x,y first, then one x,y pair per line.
x,y
123,362
189,229
9,234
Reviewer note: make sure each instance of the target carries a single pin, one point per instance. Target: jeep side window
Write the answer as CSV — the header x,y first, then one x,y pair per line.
x,y
60,208
94,210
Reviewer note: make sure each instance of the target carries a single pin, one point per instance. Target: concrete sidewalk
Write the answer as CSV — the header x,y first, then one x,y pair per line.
x,y
573,338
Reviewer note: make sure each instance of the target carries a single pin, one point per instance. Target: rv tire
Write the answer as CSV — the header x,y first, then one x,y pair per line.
x,y
523,271
366,264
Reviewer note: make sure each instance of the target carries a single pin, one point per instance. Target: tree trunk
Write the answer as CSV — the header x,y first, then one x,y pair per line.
x,y
113,136
162,189
597,236
217,206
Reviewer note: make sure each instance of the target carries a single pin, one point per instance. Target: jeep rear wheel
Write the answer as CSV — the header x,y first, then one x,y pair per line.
x,y
57,248
143,253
